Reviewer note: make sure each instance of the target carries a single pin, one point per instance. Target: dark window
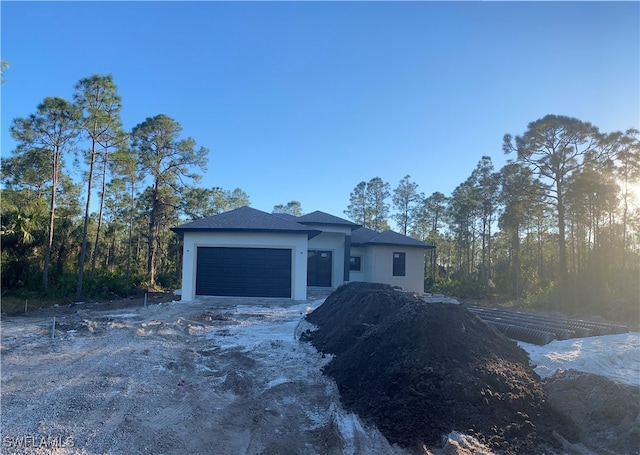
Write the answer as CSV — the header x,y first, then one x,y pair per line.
x,y
354,263
398,264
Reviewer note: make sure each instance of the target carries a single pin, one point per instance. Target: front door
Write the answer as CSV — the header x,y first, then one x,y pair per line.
x,y
319,268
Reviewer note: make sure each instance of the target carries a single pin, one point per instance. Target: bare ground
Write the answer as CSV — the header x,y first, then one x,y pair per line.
x,y
213,377
170,378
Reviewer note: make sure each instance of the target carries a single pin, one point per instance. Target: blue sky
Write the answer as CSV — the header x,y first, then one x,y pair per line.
x,y
302,101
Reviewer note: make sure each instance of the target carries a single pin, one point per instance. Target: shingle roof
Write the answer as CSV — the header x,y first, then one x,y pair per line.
x,y
365,237
319,217
246,219
286,216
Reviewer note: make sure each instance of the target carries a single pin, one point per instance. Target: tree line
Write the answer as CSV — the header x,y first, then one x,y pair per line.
x,y
144,182
557,223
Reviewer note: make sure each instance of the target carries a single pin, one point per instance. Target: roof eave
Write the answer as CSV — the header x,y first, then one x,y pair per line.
x,y
403,245
353,227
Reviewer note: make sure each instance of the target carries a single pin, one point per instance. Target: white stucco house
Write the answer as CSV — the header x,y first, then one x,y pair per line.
x,y
251,253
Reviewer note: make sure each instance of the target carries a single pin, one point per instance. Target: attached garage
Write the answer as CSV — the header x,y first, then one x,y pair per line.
x,y
248,272
244,253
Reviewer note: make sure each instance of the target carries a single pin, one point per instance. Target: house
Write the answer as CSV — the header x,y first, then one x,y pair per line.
x,y
251,253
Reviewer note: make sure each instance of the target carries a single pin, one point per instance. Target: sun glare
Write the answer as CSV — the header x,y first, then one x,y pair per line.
x,y
634,190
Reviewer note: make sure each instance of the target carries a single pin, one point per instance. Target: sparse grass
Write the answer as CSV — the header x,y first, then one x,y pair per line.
x,y
14,304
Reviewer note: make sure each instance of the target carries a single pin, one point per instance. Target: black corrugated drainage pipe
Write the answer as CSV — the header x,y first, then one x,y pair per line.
x,y
562,327
527,335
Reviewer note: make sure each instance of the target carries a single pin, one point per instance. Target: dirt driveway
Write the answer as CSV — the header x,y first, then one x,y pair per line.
x,y
220,376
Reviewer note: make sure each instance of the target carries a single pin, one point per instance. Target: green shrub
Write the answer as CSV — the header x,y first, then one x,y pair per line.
x,y
466,288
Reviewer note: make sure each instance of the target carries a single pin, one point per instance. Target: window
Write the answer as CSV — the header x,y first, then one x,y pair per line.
x,y
399,264
355,263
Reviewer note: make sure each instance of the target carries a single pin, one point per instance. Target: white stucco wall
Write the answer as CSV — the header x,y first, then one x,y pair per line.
x,y
296,242
366,269
377,266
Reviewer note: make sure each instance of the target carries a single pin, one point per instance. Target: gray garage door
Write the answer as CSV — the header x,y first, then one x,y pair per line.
x,y
250,272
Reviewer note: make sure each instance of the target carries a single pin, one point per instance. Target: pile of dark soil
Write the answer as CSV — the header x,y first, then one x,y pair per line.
x,y
606,412
419,371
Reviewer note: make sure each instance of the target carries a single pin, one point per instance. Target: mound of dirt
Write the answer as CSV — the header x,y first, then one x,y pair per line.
x,y
419,371
349,311
606,412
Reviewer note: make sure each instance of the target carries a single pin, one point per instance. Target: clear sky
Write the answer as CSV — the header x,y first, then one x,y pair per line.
x,y
301,101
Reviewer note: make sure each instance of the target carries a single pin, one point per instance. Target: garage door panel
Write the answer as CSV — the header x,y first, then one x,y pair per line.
x,y
251,272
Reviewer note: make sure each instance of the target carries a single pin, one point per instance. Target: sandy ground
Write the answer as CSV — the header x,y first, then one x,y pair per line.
x,y
220,376
213,377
